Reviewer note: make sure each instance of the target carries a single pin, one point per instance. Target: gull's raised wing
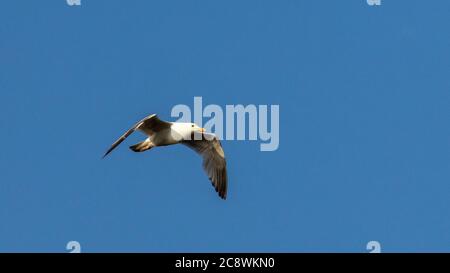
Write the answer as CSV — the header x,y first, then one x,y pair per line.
x,y
148,125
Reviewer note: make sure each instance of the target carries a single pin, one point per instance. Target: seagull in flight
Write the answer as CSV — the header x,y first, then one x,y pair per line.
x,y
163,133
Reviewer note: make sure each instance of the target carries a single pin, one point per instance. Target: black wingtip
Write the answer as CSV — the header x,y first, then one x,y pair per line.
x,y
109,150
223,194
107,153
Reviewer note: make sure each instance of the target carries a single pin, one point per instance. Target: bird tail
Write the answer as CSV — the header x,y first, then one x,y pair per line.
x,y
142,146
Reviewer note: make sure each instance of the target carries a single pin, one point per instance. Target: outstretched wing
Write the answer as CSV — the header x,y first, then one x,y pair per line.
x,y
148,125
214,162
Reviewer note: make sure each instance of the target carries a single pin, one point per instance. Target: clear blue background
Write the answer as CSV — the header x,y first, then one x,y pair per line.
x,y
364,95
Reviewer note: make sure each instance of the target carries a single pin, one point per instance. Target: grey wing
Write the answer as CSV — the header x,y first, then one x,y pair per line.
x,y
152,124
148,125
214,162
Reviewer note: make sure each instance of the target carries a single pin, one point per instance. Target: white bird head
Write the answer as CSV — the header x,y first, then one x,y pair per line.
x,y
185,130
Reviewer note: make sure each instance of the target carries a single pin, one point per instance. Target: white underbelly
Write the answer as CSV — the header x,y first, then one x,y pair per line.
x,y
165,137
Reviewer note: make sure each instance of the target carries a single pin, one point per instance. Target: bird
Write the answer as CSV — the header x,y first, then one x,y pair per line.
x,y
162,133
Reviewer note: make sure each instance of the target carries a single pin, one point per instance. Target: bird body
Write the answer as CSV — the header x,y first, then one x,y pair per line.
x,y
162,133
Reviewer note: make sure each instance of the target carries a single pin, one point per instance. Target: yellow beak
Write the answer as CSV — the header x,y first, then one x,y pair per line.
x,y
202,130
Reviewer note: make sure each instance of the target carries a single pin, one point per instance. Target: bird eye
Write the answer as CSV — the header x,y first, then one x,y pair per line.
x,y
192,125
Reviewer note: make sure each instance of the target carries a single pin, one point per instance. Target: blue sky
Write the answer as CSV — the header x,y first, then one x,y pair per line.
x,y
364,153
